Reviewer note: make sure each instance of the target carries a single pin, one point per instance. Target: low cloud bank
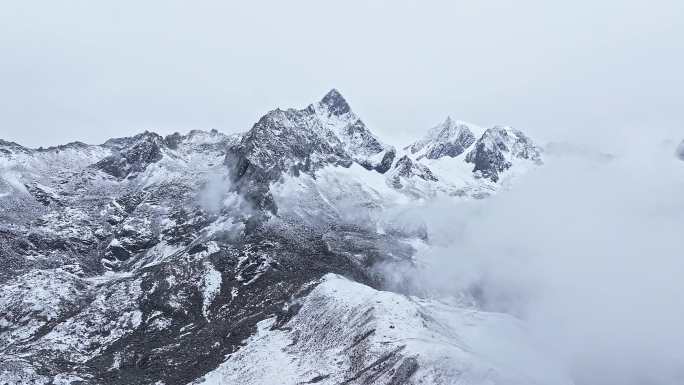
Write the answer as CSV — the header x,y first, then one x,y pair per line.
x,y
590,253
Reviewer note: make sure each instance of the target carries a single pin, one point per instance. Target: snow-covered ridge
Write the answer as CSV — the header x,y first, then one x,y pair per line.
x,y
120,158
498,149
451,138
361,144
117,155
348,333
327,132
460,158
64,157
454,158
292,141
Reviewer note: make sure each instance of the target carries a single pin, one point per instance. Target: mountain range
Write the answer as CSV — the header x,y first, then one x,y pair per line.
x,y
251,258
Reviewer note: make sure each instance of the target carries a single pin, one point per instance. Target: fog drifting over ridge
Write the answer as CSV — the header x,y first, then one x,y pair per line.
x,y
588,252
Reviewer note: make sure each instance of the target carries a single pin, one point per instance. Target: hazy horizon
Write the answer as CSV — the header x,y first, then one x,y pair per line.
x,y
580,71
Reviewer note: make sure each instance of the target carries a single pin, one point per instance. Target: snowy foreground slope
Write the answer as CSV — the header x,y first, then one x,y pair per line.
x,y
346,332
250,258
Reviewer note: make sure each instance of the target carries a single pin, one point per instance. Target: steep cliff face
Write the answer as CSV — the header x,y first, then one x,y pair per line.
x,y
498,148
292,141
408,168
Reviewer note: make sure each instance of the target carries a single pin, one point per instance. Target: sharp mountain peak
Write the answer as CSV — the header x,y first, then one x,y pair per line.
x,y
335,102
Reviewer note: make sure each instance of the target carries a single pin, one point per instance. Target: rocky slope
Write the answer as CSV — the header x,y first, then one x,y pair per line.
x,y
162,260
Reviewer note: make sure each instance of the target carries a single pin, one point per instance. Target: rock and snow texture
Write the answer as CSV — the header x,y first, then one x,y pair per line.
x,y
364,147
408,168
450,138
294,141
29,308
498,148
327,132
151,259
463,159
348,333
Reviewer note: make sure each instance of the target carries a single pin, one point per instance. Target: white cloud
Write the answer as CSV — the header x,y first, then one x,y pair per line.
x,y
92,70
589,253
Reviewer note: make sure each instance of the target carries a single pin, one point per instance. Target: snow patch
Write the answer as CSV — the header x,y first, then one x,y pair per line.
x,y
211,287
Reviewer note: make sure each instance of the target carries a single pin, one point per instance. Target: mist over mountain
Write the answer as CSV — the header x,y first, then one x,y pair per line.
x,y
308,249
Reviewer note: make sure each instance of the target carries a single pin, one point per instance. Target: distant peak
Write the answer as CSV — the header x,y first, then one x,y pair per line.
x,y
680,150
335,103
8,143
333,94
450,122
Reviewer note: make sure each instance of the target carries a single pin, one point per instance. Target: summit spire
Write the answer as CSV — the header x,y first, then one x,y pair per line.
x,y
335,103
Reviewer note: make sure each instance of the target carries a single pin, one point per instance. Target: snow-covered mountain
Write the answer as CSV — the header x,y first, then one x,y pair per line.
x,y
450,138
248,258
498,148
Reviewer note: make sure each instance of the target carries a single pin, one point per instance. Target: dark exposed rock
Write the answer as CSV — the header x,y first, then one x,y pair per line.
x,y
41,194
408,168
497,147
295,141
132,156
488,162
335,103
404,372
386,162
172,141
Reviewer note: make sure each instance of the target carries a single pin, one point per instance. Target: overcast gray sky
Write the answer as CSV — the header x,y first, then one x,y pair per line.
x,y
83,70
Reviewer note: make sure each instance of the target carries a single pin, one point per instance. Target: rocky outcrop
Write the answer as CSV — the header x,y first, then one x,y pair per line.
x,y
409,168
291,141
131,155
358,141
498,147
